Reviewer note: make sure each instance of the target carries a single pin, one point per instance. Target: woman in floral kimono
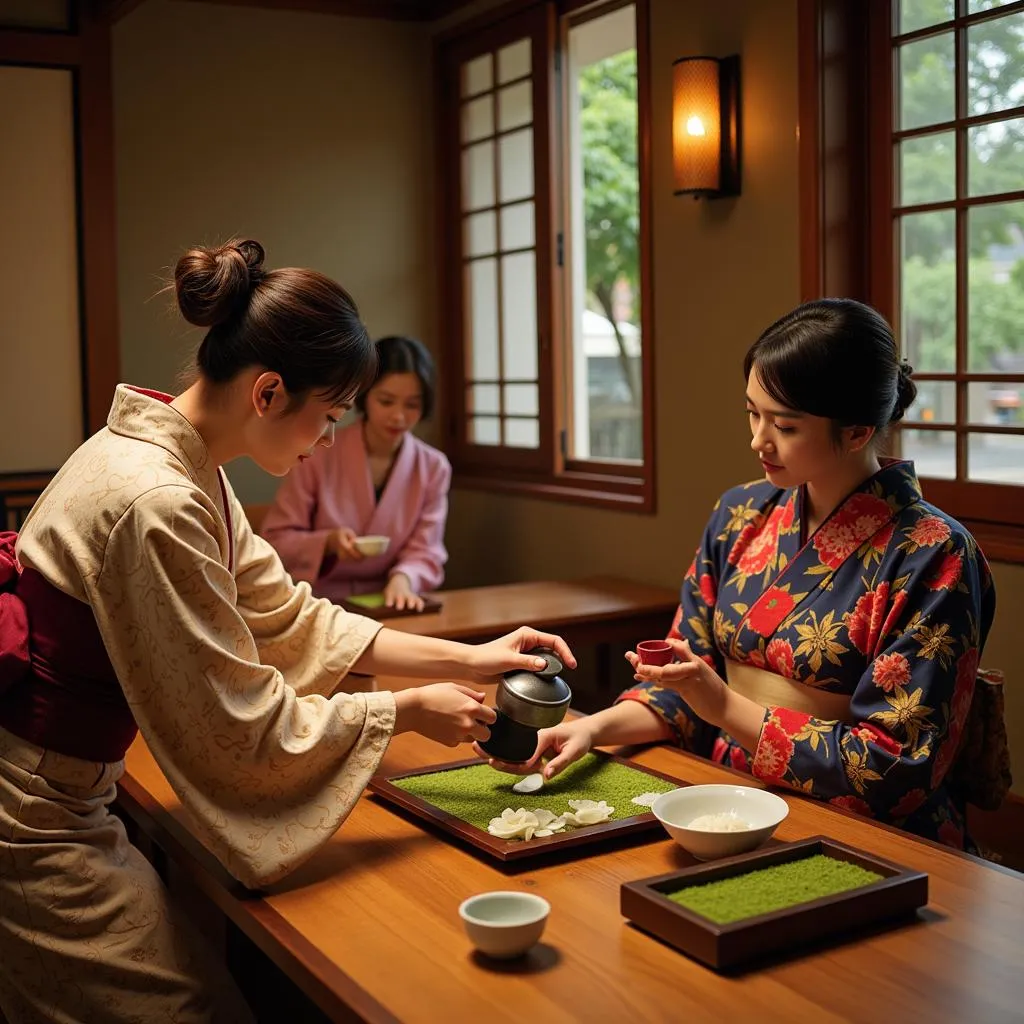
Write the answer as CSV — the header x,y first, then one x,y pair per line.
x,y
831,623
379,478
140,599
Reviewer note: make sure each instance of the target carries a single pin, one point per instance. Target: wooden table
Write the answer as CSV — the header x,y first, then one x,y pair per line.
x,y
369,927
604,612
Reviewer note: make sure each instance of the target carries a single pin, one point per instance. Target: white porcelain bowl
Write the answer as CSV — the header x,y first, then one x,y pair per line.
x,y
504,924
761,810
372,544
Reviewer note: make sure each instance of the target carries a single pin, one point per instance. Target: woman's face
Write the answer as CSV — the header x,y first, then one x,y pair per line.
x,y
283,436
394,405
794,447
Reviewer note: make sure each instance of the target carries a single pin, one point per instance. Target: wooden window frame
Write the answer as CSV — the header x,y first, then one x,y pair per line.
x,y
548,471
848,216
84,50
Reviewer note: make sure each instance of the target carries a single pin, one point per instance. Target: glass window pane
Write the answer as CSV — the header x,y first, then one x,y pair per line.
x,y
480,237
522,433
521,399
928,291
44,14
484,398
915,14
927,169
514,60
933,452
935,403
995,157
478,75
515,106
517,226
995,288
994,402
477,119
994,80
926,82
995,458
478,176
519,316
482,318
515,165
976,6
485,430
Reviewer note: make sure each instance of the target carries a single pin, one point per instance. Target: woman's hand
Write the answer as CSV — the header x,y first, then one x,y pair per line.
x,y
399,594
487,661
568,741
445,712
341,544
692,677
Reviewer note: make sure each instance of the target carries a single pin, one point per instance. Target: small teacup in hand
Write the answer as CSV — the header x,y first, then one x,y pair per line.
x,y
655,652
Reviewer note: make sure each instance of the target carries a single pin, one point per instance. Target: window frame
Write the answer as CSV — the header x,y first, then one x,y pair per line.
x,y
849,241
546,472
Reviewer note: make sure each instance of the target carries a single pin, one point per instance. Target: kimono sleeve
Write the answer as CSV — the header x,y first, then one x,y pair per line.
x,y
288,524
423,555
910,704
313,642
267,775
693,622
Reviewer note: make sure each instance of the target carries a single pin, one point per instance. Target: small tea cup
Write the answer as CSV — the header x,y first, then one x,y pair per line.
x,y
372,544
655,652
504,924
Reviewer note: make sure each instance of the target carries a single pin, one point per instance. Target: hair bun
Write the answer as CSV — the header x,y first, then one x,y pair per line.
x,y
906,391
213,285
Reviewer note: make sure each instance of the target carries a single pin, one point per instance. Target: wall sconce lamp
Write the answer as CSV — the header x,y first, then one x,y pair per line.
x,y
706,126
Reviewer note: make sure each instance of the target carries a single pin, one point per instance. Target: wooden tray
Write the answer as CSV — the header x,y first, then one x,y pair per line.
x,y
514,850
899,892
430,604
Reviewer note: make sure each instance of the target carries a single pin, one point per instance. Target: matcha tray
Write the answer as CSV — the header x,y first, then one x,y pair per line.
x,y
460,798
773,900
373,607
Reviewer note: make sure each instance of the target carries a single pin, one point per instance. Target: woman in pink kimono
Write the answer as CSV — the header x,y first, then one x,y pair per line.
x,y
378,479
138,598
830,626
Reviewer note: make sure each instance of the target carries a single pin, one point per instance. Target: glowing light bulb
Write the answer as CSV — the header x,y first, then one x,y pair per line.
x,y
695,126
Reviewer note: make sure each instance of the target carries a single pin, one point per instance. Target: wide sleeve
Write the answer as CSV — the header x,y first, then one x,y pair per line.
x,y
423,555
693,622
310,640
911,703
268,775
288,524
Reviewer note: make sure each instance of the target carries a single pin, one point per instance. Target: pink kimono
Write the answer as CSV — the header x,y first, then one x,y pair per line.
x,y
334,488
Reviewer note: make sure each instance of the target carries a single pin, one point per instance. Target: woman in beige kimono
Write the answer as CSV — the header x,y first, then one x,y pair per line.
x,y
141,599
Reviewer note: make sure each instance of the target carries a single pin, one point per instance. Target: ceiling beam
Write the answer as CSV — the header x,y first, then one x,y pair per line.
x,y
394,10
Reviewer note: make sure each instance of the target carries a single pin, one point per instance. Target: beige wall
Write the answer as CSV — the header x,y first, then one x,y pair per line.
x,y
312,133
308,132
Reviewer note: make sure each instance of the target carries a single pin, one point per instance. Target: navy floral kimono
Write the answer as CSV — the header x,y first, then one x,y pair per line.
x,y
890,601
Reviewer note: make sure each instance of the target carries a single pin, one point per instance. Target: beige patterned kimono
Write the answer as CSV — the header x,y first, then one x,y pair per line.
x,y
230,670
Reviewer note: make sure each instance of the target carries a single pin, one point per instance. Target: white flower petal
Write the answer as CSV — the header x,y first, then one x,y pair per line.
x,y
529,784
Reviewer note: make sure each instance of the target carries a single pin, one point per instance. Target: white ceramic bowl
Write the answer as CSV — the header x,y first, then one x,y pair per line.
x,y
372,544
761,810
504,924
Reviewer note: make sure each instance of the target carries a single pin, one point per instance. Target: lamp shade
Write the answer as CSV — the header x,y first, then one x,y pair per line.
x,y
705,126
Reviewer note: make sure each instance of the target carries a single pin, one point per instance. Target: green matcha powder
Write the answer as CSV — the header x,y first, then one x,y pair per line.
x,y
478,793
768,889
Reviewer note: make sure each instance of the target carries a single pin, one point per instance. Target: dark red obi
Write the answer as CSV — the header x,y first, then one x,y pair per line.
x,y
57,686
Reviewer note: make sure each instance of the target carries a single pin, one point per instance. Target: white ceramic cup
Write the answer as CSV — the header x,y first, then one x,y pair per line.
x,y
504,924
372,544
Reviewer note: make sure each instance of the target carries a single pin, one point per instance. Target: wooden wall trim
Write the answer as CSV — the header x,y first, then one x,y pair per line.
x,y
49,49
810,152
101,355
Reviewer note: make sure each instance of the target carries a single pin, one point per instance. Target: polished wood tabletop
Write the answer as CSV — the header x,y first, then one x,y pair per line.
x,y
369,928
598,603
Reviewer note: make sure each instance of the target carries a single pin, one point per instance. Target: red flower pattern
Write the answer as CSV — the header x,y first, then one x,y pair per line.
x,y
859,518
707,590
871,734
674,633
909,803
890,670
774,750
951,835
852,803
947,575
779,657
929,531
738,759
864,623
769,611
757,545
